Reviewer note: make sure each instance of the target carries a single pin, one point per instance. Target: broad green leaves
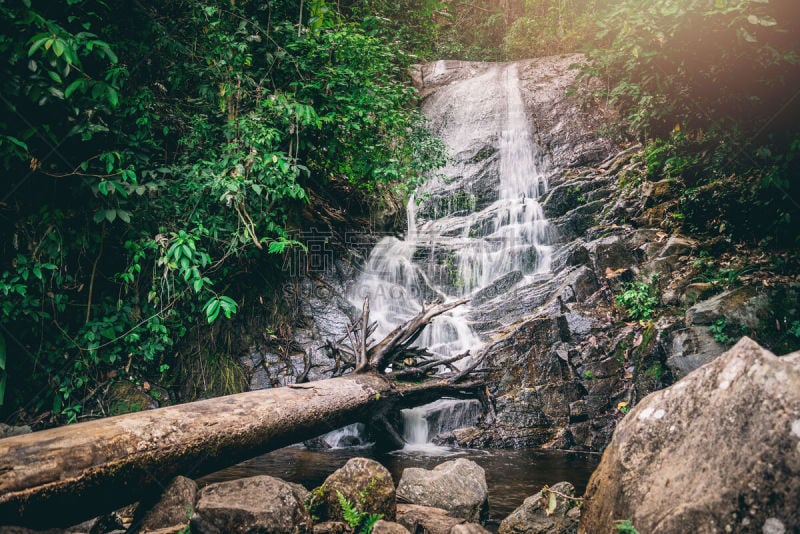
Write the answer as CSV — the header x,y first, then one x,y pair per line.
x,y
217,304
168,194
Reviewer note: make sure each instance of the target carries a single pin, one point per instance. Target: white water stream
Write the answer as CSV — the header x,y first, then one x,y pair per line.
x,y
462,251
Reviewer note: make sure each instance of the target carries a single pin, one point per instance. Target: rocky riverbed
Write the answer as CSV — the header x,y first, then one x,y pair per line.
x,y
718,451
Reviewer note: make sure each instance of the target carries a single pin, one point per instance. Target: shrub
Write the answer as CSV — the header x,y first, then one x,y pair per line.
x,y
638,299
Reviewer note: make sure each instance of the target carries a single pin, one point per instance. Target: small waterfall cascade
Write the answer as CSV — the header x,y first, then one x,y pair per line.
x,y
477,221
348,436
423,423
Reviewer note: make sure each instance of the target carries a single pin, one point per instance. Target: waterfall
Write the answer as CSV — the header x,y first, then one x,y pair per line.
x,y
349,436
422,424
475,222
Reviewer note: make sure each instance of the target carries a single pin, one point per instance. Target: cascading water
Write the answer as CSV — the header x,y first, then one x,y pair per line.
x,y
422,424
348,436
479,219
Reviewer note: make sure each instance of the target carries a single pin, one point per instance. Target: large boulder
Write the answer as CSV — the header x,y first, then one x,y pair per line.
x,y
365,483
173,510
746,306
254,505
548,512
458,486
388,527
426,519
691,348
468,528
719,451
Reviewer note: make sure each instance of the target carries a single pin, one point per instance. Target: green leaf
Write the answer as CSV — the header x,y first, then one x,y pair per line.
x,y
74,86
111,215
212,309
276,247
37,45
17,142
112,95
349,511
58,47
2,352
54,76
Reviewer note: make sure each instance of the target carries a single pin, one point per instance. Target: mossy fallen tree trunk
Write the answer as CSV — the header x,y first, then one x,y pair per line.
x,y
65,475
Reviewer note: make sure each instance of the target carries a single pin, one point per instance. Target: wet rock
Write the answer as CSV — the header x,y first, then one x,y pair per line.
x,y
611,253
388,527
459,436
498,287
606,368
661,191
425,519
719,451
364,483
255,504
578,411
691,348
468,528
331,527
745,306
458,486
544,513
696,291
576,325
173,510
125,397
678,246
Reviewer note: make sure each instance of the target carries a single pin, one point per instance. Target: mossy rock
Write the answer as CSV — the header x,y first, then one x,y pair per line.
x,y
126,397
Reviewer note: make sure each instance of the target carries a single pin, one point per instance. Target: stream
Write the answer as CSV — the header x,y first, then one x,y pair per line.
x,y
512,475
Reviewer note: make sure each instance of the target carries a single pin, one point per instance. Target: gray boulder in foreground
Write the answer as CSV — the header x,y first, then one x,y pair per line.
x,y
458,486
256,504
719,451
364,483
173,510
535,515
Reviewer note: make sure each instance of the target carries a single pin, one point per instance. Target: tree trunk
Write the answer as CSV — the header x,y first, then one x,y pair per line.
x,y
65,475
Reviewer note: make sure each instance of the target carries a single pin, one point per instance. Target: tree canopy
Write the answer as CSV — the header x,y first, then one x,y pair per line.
x,y
158,156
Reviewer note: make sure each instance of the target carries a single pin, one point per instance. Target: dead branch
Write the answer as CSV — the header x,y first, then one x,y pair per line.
x,y
420,371
382,354
358,353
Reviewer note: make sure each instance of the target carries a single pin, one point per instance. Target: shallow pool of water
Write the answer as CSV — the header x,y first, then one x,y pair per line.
x,y
512,475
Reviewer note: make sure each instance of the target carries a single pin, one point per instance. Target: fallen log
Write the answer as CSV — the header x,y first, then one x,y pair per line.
x,y
62,476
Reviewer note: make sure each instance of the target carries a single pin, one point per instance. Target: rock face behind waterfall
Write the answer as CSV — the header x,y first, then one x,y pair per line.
x,y
719,451
542,221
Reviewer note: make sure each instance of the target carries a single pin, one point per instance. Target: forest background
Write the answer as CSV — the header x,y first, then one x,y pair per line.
x,y
160,159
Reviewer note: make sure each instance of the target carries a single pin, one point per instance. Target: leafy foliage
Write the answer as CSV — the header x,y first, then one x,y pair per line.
x,y
160,156
639,300
712,86
719,330
547,27
361,522
625,527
